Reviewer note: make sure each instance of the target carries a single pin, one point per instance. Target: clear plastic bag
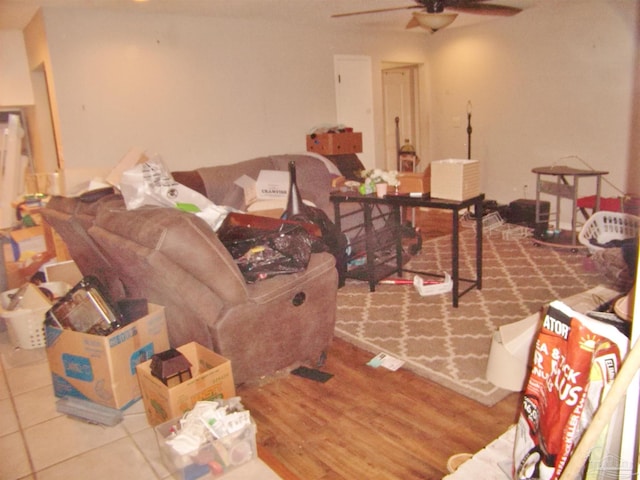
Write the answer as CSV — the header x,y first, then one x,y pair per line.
x,y
150,183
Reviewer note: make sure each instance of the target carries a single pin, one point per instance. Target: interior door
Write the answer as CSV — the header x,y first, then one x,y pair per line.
x,y
354,100
399,99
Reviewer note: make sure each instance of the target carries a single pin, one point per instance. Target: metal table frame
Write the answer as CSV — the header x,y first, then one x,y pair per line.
x,y
563,188
396,202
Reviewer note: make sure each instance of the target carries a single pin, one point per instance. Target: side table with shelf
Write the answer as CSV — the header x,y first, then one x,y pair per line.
x,y
379,267
374,232
565,186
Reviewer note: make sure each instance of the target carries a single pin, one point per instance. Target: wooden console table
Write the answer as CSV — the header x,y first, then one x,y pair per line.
x,y
375,271
563,188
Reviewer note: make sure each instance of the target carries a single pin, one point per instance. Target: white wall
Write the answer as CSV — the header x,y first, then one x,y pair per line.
x,y
199,91
551,82
15,84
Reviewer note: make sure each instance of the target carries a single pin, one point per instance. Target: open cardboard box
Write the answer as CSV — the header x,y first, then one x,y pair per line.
x,y
211,379
102,369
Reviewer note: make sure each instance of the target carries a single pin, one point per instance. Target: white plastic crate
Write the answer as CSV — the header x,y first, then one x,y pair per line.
x,y
604,227
26,325
511,232
490,222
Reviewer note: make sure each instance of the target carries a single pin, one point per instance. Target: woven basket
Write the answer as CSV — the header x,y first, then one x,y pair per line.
x,y
604,227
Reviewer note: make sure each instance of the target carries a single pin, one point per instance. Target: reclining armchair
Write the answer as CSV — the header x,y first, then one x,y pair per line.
x,y
175,259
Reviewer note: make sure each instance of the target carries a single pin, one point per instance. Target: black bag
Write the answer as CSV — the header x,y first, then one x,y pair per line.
x,y
265,247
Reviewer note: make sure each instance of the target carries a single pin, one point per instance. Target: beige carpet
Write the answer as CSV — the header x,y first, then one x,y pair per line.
x,y
451,345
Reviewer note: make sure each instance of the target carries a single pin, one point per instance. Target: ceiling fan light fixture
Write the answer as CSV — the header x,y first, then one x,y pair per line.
x,y
434,21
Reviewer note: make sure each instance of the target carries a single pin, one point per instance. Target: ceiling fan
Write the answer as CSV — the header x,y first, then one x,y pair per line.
x,y
433,17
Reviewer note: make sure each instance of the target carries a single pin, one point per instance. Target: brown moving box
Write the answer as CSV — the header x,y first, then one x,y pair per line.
x,y
415,182
335,143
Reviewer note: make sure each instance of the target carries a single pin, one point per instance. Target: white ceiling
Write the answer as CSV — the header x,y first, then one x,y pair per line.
x,y
15,14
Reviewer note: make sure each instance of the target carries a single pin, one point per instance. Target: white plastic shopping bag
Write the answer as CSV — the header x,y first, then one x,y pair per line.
x,y
150,183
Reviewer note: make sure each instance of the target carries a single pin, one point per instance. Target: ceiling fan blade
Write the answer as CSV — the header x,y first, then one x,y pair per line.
x,y
413,23
483,9
379,10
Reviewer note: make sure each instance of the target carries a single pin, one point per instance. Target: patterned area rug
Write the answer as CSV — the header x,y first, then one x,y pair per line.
x,y
451,345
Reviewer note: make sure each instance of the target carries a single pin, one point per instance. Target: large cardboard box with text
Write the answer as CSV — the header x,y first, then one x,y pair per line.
x,y
103,368
211,379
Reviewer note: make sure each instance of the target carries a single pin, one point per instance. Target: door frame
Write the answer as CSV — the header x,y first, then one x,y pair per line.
x,y
414,130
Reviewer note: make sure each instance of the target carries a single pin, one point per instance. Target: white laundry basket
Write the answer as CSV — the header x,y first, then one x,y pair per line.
x,y
603,227
26,325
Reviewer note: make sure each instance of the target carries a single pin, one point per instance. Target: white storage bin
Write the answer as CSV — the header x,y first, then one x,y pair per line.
x,y
604,227
455,179
26,325
212,459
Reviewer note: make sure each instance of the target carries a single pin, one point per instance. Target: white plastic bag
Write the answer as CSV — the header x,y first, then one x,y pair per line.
x,y
150,183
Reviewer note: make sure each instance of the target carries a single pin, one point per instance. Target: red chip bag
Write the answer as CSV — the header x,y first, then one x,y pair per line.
x,y
557,405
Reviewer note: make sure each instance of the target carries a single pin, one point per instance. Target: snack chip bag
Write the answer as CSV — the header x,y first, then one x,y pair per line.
x,y
575,360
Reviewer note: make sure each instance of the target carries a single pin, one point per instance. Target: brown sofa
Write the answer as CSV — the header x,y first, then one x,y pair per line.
x,y
174,259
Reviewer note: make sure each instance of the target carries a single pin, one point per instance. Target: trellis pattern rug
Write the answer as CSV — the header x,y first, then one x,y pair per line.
x,y
449,345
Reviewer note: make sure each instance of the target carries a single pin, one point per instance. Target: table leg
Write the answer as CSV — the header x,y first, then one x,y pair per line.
x,y
397,219
558,198
598,186
479,213
537,198
455,245
368,232
574,211
341,265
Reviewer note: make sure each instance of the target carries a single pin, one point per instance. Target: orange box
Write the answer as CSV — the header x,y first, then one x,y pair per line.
x,y
415,182
335,143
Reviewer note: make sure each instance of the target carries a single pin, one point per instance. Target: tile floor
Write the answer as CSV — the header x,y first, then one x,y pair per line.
x,y
38,442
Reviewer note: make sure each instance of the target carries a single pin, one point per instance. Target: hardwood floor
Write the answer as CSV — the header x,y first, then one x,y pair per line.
x,y
367,423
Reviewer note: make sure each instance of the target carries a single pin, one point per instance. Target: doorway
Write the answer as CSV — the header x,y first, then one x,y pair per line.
x,y
401,108
354,100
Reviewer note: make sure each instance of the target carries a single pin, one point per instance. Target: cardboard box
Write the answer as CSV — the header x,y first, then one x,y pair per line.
x,y
103,368
272,184
211,379
29,240
455,179
335,143
25,321
415,182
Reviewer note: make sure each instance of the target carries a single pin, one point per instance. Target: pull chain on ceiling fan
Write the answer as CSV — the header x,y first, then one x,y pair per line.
x,y
434,17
